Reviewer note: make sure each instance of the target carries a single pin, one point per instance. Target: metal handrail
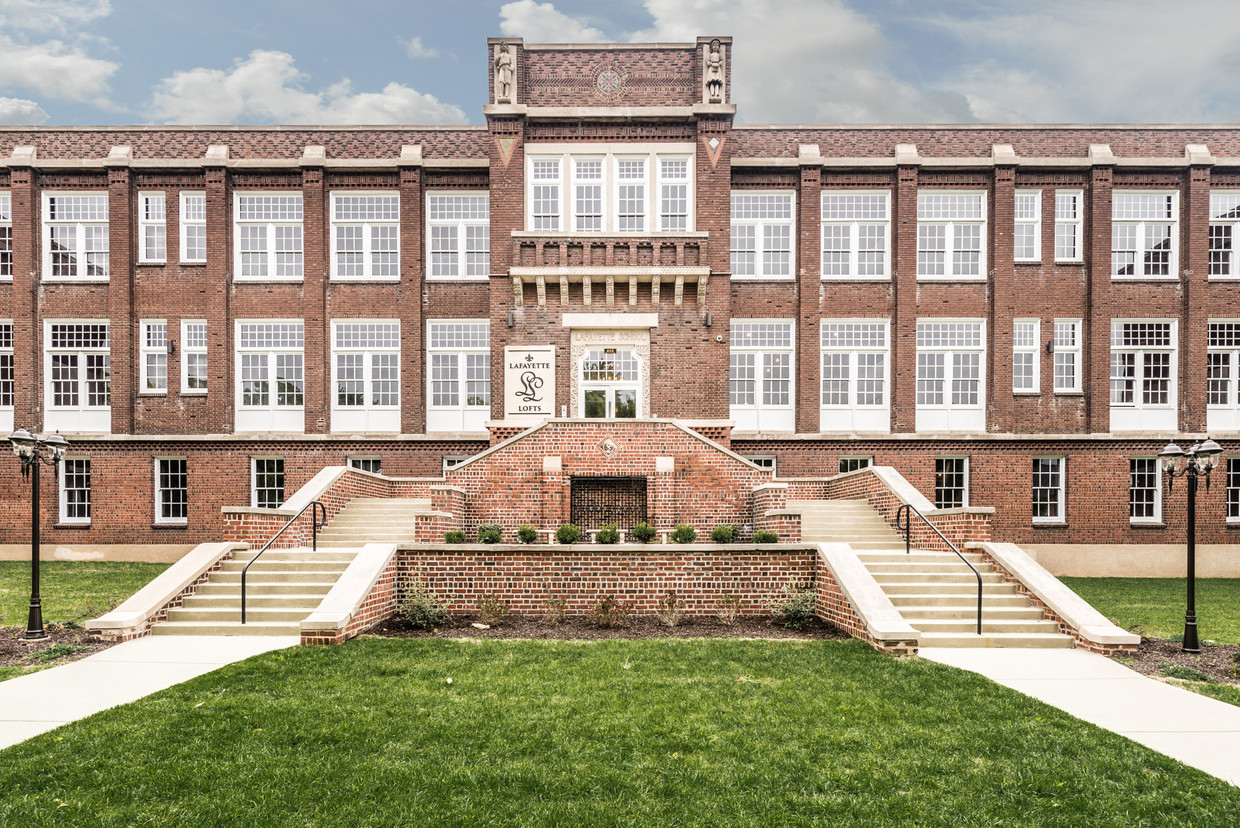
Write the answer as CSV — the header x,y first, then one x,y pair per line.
x,y
905,524
315,524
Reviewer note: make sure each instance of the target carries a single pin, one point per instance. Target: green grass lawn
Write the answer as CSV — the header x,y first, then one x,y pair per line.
x,y
1157,605
70,590
669,732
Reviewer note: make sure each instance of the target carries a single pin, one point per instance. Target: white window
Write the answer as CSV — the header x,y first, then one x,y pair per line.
x,y
270,375
1068,225
78,376
587,196
1048,499
1144,227
6,236
366,235
366,378
1144,490
459,375
74,485
1026,364
610,383
1224,222
6,376
268,237
193,356
193,226
1067,355
760,375
856,234
950,375
674,195
152,228
154,362
763,461
459,230
951,235
545,190
1027,235
951,482
850,464
171,491
1233,490
367,464
762,231
1143,371
75,236
267,482
631,195
1222,373
855,356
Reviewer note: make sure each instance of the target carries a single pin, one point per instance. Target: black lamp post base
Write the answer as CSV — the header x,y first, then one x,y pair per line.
x,y
34,625
1190,635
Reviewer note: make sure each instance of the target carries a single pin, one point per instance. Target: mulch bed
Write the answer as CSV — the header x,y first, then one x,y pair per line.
x,y
1216,660
14,651
638,626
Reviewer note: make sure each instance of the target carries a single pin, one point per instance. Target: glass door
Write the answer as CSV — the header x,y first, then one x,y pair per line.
x,y
610,379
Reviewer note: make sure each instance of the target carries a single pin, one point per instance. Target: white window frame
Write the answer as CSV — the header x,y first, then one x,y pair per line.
x,y
859,461
965,474
153,356
764,461
271,227
1232,496
280,471
467,258
596,186
954,226
7,379
62,479
546,193
1223,375
82,262
272,415
763,267
616,368
1026,344
160,518
372,227
460,416
856,222
1067,350
356,460
1028,219
1224,223
949,415
452,460
675,191
853,339
381,345
152,227
1060,502
1069,225
192,346
636,218
82,416
761,415
1140,249
1156,518
6,236
1137,414
193,222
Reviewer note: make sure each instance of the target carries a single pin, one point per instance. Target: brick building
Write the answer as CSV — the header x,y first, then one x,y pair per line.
x,y
1012,316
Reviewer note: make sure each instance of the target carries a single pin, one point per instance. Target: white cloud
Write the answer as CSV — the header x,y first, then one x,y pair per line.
x,y
51,15
55,69
20,112
544,23
416,50
267,87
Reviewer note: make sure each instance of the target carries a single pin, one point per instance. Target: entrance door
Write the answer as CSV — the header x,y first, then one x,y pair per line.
x,y
610,383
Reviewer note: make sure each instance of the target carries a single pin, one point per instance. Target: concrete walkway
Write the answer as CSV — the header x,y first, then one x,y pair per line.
x,y
34,704
1196,730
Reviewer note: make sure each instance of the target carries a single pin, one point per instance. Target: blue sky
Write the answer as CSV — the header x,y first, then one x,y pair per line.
x,y
795,61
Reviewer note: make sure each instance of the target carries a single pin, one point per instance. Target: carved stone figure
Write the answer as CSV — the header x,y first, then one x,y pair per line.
x,y
714,73
503,75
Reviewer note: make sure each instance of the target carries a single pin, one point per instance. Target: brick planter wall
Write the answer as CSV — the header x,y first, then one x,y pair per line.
x,y
833,606
378,605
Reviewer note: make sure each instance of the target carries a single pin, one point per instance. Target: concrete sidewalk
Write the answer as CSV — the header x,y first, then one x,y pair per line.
x,y
39,702
1192,728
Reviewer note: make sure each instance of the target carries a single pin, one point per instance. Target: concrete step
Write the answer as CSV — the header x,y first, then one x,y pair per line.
x,y
298,556
284,577
1031,640
233,601
957,599
943,567
373,535
962,625
868,558
876,546
961,587
997,613
264,565
225,628
262,587
929,578
253,614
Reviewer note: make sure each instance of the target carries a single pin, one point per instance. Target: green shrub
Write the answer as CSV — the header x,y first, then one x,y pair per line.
x,y
568,533
555,610
491,610
420,607
763,536
527,534
669,609
607,533
723,533
794,606
612,612
684,533
727,607
454,536
643,533
489,533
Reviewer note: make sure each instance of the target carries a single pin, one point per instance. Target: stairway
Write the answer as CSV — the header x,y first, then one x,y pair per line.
x,y
934,591
286,585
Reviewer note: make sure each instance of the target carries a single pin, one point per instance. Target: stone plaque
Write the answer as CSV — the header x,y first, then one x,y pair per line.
x,y
529,383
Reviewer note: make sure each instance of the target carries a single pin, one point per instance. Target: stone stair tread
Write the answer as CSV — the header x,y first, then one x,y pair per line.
x,y
225,628
1048,640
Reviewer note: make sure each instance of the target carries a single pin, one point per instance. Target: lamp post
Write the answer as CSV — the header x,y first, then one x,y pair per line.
x,y
33,452
1196,463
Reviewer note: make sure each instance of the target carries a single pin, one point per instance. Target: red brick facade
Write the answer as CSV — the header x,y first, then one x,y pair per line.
x,y
616,101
